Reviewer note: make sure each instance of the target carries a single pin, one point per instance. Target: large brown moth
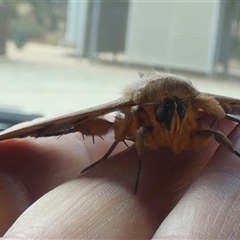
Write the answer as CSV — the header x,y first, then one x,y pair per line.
x,y
157,111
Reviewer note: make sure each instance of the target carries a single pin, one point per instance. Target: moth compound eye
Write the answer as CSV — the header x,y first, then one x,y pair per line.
x,y
161,113
181,110
164,114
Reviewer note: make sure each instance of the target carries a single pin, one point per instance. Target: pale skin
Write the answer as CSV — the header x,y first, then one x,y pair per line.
x,y
194,195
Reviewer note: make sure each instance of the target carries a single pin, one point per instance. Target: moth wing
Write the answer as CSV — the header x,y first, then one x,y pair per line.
x,y
64,124
231,106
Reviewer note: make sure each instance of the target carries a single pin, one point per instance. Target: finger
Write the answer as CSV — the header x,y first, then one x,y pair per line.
x,y
82,208
101,204
56,159
210,208
29,168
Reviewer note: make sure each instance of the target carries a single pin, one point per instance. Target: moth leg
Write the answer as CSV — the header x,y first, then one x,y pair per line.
x,y
219,137
93,127
209,104
222,139
125,143
106,155
141,135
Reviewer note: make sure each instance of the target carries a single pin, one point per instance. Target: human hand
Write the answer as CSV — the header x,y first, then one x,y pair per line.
x,y
176,199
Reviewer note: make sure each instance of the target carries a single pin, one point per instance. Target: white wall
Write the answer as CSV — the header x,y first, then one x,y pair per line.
x,y
174,34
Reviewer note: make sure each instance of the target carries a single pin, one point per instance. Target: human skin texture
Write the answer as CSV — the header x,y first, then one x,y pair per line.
x,y
192,195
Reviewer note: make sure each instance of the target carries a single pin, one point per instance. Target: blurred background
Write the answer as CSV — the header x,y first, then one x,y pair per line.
x,y
62,56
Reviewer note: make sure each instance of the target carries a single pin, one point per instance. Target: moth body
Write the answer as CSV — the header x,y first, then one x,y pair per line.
x,y
166,108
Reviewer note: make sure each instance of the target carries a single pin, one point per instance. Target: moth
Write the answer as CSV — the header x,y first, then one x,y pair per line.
x,y
159,110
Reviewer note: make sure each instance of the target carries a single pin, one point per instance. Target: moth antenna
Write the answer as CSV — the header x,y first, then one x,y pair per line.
x,y
101,137
220,138
106,155
236,153
93,139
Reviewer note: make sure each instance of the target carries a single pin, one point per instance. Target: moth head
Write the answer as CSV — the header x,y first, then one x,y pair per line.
x,y
170,112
